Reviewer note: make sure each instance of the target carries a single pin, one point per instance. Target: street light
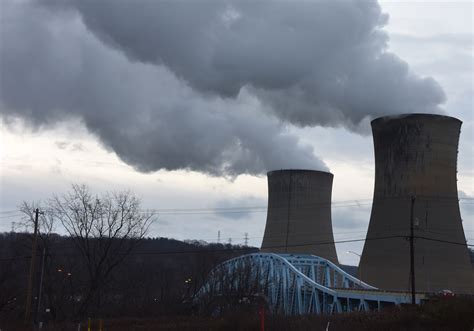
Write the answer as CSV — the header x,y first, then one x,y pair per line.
x,y
359,268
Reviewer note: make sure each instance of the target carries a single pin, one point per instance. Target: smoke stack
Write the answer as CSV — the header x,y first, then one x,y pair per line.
x,y
416,156
299,213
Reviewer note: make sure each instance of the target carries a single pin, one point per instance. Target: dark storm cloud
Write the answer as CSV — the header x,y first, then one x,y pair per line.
x,y
205,85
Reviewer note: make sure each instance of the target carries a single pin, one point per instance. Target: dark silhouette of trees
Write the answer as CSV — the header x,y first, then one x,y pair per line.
x,y
102,264
152,280
105,229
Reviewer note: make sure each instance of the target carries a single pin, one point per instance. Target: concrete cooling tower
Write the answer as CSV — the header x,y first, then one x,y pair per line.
x,y
416,156
299,213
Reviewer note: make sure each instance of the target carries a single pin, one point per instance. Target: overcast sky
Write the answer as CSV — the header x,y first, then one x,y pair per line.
x,y
188,104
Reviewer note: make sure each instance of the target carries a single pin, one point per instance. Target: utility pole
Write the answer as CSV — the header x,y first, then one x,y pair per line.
x,y
412,252
40,288
246,240
32,268
218,236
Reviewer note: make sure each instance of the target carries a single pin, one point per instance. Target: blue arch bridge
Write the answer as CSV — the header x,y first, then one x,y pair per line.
x,y
296,284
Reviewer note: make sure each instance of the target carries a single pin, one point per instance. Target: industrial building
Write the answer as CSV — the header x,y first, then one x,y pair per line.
x,y
416,184
299,213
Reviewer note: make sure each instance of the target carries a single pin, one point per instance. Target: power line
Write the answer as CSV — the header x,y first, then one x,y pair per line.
x,y
247,209
321,234
231,208
250,208
244,248
10,216
443,241
9,211
234,248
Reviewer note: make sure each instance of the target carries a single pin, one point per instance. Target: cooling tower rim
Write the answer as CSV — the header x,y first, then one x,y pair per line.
x,y
298,171
416,116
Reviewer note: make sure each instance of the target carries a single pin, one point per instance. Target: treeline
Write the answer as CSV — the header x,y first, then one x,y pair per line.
x,y
158,277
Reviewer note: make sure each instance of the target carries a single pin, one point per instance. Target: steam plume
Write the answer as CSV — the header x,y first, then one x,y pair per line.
x,y
209,86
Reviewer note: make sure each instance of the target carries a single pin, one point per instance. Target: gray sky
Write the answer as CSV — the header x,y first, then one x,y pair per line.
x,y
189,104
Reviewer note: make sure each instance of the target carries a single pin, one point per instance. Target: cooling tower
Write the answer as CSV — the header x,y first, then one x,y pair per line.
x,y
299,213
416,156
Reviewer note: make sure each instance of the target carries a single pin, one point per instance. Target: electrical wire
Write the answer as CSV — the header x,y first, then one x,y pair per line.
x,y
251,209
237,248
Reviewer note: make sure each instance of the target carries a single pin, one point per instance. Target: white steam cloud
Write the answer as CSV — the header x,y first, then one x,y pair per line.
x,y
204,85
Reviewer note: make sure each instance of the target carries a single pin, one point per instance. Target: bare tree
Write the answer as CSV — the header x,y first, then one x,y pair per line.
x,y
240,286
105,229
46,222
